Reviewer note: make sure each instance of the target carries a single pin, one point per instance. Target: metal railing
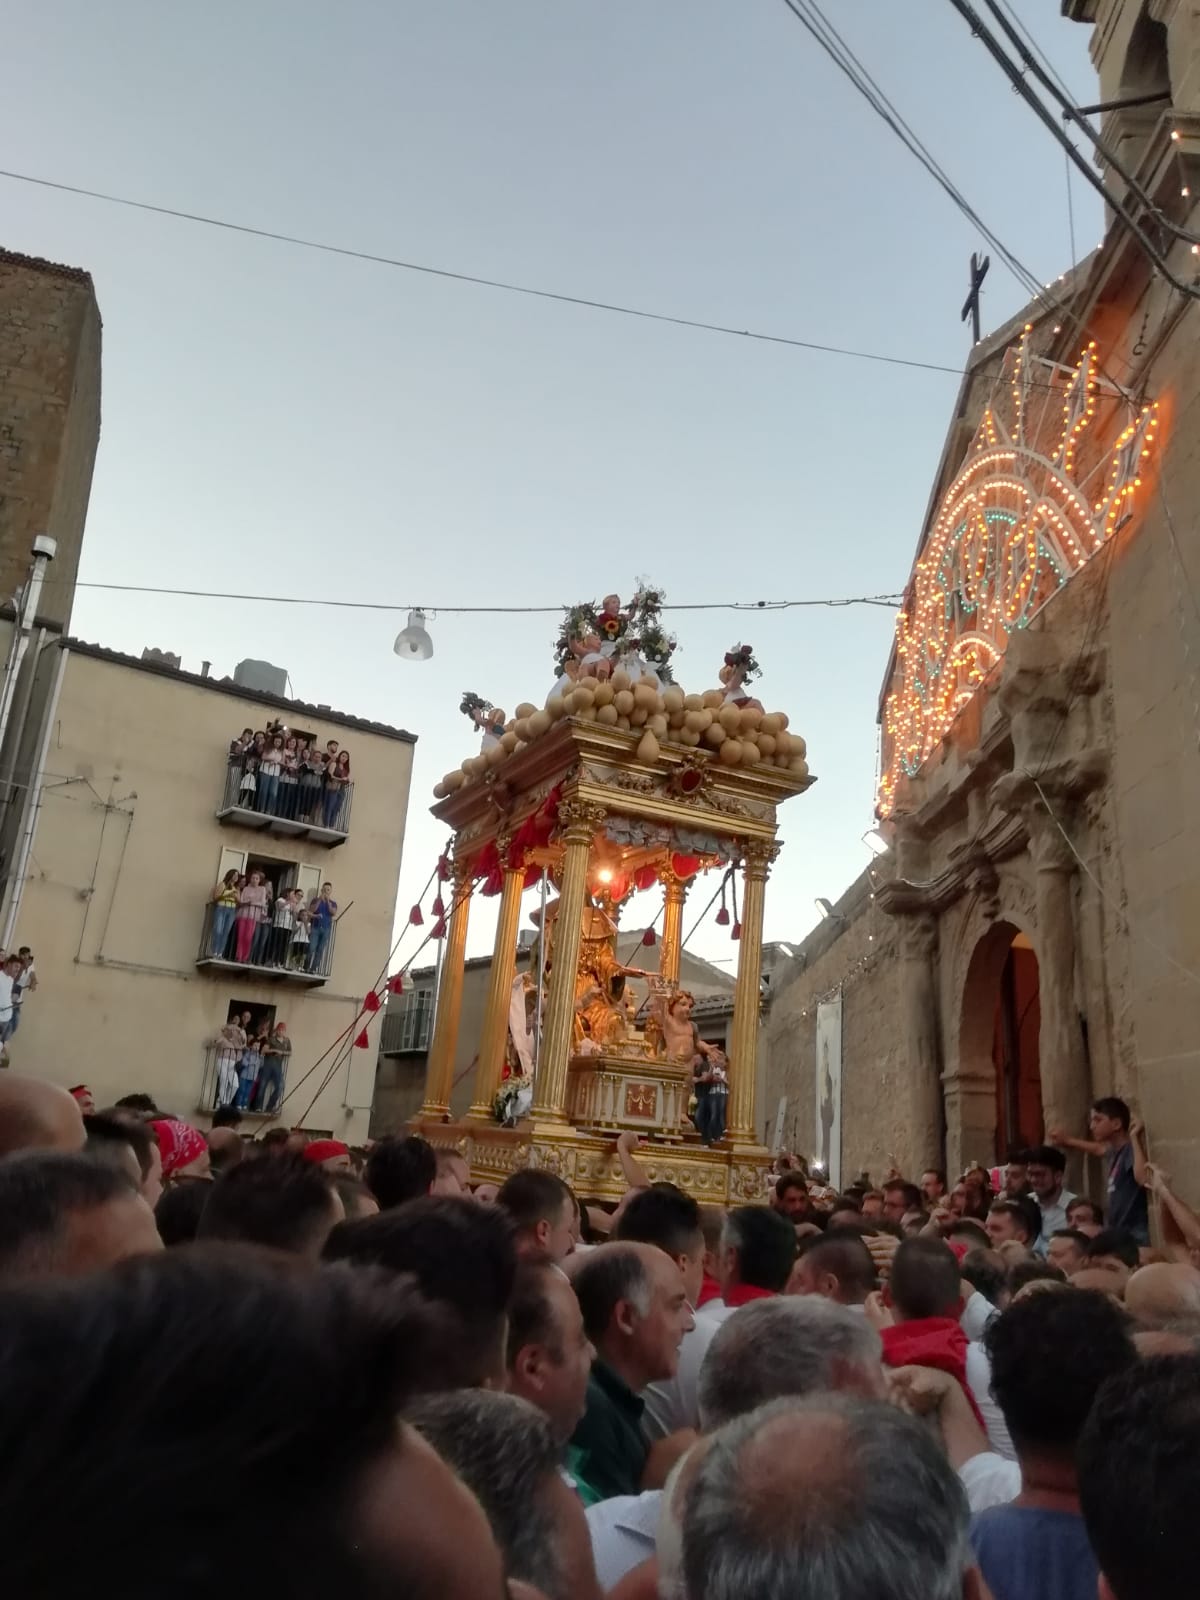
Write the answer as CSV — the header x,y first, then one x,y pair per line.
x,y
247,1079
303,804
299,955
407,1023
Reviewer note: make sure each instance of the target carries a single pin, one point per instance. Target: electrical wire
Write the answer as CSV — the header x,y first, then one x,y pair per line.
x,y
889,601
480,281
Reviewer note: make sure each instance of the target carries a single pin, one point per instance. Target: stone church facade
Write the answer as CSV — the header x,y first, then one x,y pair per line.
x,y
1031,938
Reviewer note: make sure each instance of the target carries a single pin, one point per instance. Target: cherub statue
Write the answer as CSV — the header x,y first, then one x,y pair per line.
x,y
489,719
681,1041
740,667
593,663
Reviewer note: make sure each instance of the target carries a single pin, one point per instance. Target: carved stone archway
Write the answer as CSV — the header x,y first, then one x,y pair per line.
x,y
971,1078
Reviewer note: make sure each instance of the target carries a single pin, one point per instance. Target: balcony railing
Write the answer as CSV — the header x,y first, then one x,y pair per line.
x,y
407,1023
254,1083
230,943
308,808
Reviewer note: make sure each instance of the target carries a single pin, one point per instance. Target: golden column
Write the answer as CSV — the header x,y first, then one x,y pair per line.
x,y
743,1068
674,894
499,995
439,1076
578,821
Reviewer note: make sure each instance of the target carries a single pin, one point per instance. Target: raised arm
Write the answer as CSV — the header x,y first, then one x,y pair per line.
x,y
1067,1141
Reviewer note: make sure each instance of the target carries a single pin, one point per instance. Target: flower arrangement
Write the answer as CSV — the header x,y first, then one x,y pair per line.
x,y
651,639
577,621
741,658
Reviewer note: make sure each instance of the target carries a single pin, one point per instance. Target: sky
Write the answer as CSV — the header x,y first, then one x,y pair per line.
x,y
278,421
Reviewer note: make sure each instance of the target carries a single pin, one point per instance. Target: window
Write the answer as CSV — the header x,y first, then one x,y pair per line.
x,y
258,1014
409,1023
279,873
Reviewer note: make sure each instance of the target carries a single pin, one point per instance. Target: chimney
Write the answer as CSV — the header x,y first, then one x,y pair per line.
x,y
205,668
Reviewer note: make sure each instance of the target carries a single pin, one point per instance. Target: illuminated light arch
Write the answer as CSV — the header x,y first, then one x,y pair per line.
x,y
1040,492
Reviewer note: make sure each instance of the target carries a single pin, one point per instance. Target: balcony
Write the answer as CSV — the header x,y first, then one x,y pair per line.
x,y
229,944
300,810
259,1096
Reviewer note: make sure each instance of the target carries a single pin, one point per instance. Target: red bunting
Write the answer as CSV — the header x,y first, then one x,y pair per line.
x,y
362,1042
395,984
685,866
372,1001
439,929
438,907
443,867
415,918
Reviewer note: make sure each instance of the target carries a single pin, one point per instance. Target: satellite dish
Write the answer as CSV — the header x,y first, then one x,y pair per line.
x,y
413,642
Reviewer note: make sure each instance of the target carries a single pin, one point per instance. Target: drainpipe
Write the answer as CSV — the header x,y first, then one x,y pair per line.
x,y
15,886
44,548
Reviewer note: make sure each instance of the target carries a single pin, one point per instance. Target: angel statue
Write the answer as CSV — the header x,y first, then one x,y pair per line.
x,y
489,719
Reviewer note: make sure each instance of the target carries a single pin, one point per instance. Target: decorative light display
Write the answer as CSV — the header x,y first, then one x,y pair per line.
x,y
1044,485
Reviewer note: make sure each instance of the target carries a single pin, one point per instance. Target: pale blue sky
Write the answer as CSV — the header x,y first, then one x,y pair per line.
x,y
278,420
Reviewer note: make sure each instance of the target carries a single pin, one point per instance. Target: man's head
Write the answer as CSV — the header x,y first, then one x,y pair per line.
x,y
127,1143
933,1184
899,1198
1108,1120
635,1310
142,1105
1046,1168
1139,1478
461,1255
400,1170
872,1206
542,1209
1050,1353
791,1196
225,1149
35,1115
549,1352
835,1265
508,1456
326,889
287,1204
925,1280
758,1250
145,1357
65,1215
453,1173
1010,1221
1085,1216
357,1199
1016,1174
1067,1249
832,1496
1113,1247
788,1346
331,1155
1163,1294
665,1216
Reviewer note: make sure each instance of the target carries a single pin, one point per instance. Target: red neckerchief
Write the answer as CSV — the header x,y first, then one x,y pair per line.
x,y
744,1293
710,1289
936,1342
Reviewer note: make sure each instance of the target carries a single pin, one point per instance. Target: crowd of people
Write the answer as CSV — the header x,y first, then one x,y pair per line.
x,y
309,1369
251,1064
18,980
283,774
250,924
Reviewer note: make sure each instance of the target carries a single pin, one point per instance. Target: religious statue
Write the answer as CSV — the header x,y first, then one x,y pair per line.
x,y
600,1020
489,719
680,1038
739,668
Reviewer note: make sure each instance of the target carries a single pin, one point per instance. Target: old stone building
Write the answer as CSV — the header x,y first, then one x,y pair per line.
x,y
49,420
1031,939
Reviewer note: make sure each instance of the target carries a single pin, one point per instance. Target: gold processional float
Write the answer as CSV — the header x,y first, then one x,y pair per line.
x,y
621,782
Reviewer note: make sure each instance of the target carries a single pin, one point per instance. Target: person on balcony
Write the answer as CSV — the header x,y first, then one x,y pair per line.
x,y
224,903
270,770
283,926
251,1065
276,1054
289,779
323,915
253,898
298,953
312,774
229,1044
337,777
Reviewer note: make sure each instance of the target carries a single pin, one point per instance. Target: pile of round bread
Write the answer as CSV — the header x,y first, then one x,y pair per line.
x,y
736,736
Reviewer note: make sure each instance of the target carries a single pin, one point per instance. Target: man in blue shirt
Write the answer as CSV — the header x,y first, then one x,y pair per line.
x,y
1116,1143
1050,1354
322,915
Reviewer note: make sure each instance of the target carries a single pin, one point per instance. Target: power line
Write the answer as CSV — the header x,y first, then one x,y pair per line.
x,y
480,281
890,601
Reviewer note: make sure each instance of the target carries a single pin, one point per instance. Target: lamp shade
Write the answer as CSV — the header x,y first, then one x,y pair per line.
x,y
413,642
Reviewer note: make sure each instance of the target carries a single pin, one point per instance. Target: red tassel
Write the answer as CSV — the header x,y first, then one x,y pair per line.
x,y
723,917
395,984
372,1002
737,931
443,867
438,907
362,1042
439,929
415,918
648,937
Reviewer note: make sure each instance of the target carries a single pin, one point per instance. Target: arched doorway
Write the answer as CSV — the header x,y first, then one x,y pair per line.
x,y
996,1099
1015,1029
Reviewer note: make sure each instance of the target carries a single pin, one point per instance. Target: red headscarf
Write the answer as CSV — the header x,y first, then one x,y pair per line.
x,y
325,1150
179,1144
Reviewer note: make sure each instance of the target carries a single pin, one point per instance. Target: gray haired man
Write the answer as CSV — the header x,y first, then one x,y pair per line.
x,y
831,1498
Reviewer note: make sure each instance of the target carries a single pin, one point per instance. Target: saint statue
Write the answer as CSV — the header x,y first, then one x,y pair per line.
x,y
600,1021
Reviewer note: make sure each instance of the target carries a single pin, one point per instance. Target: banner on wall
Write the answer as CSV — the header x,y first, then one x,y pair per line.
x,y
829,1088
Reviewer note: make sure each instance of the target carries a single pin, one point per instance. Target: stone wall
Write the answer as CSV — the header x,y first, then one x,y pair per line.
x,y
49,420
857,949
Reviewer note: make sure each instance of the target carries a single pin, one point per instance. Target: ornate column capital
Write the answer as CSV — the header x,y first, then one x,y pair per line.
x,y
578,820
674,886
758,857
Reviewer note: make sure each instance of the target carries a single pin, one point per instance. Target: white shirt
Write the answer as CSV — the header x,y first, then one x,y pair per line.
x,y
1054,1217
674,1404
6,997
989,1480
976,1315
979,1381
623,1534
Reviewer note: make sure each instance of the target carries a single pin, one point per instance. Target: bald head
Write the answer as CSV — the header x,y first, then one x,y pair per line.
x,y
35,1115
1162,1293
225,1148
